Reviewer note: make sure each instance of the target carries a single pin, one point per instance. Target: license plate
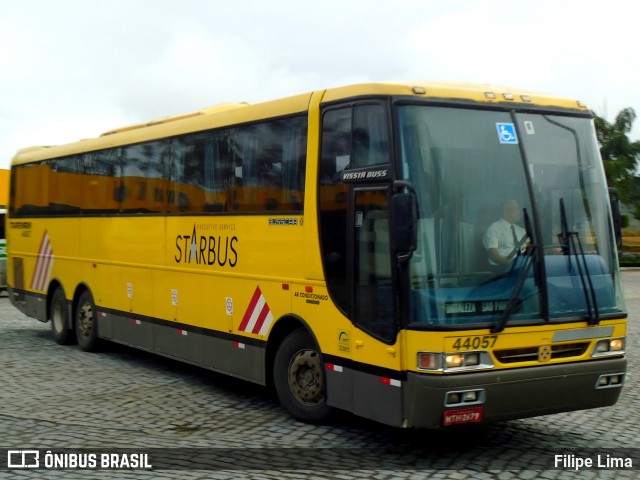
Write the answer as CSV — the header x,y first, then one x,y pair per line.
x,y
466,415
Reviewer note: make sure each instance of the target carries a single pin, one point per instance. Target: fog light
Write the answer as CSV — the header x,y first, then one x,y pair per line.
x,y
464,398
453,398
470,397
612,380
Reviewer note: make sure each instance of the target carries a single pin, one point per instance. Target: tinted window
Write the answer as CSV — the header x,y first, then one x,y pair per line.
x,y
253,168
352,137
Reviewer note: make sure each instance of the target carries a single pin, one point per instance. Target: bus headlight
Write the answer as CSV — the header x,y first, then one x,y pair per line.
x,y
458,360
608,346
451,362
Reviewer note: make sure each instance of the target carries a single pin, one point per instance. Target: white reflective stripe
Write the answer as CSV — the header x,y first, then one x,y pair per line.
x,y
267,323
255,314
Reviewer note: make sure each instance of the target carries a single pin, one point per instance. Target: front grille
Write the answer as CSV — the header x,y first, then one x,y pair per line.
x,y
530,354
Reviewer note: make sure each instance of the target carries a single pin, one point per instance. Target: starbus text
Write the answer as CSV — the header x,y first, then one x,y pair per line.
x,y
207,250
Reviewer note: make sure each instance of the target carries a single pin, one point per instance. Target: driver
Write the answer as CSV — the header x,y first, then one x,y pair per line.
x,y
504,237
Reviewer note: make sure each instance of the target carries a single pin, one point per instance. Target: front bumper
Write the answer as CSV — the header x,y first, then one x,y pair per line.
x,y
514,393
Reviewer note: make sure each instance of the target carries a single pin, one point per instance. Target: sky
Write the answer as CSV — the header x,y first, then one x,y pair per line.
x,y
72,69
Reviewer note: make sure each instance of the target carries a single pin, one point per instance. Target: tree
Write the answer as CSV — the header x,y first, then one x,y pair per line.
x,y
620,156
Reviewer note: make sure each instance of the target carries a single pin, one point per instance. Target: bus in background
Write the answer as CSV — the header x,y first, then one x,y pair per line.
x,y
330,244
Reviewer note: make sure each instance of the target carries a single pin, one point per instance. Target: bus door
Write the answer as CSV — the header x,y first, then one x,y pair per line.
x,y
377,380
355,176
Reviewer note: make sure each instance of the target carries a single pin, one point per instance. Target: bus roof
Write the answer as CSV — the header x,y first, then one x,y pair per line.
x,y
228,114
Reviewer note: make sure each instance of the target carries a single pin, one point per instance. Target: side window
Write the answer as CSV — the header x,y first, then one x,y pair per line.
x,y
100,172
65,193
354,137
268,162
370,144
143,170
254,168
199,173
30,189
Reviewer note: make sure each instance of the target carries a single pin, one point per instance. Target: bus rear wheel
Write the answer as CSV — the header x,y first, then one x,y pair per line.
x,y
86,323
298,375
58,316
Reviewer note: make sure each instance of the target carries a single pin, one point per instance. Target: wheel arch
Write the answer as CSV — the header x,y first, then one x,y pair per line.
x,y
282,328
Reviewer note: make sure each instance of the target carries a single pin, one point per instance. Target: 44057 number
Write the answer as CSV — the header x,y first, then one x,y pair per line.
x,y
474,343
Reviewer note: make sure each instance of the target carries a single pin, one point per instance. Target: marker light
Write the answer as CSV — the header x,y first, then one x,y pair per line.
x,y
428,361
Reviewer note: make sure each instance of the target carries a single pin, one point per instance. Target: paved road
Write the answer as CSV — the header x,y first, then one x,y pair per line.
x,y
54,397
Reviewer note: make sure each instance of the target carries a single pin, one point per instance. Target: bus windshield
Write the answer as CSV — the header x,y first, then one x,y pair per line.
x,y
514,224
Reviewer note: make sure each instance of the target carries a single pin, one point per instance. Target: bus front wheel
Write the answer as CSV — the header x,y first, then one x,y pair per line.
x,y
298,375
86,323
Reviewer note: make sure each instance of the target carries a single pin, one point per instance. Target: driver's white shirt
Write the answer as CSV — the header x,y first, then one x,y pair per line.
x,y
500,236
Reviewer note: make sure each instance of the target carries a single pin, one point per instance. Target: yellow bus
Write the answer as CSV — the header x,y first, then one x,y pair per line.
x,y
337,246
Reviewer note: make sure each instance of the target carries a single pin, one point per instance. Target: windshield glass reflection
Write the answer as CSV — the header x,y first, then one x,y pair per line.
x,y
477,261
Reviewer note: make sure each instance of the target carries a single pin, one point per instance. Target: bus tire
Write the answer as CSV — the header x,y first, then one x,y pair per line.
x,y
86,323
298,377
58,316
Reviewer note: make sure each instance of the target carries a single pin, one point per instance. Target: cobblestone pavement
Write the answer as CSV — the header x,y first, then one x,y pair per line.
x,y
54,397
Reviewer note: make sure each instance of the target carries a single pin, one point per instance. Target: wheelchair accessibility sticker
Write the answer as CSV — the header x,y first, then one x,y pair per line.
x,y
507,133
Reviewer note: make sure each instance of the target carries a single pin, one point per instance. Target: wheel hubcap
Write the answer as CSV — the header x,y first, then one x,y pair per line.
x,y
305,377
85,320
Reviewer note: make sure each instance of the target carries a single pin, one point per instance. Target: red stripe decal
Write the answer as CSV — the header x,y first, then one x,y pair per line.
x,y
249,312
263,315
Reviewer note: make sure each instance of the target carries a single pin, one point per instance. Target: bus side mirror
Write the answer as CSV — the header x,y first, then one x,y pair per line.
x,y
404,225
614,199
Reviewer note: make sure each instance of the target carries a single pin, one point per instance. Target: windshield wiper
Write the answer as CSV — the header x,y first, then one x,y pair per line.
x,y
531,252
573,246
